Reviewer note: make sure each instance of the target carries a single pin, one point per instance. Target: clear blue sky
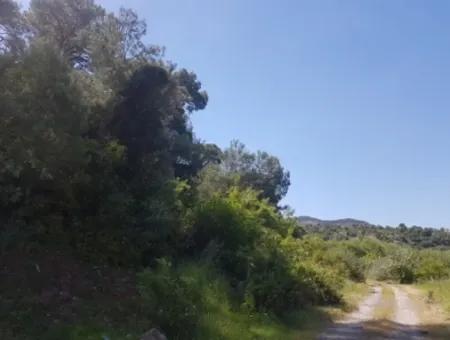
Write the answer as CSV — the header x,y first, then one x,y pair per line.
x,y
352,96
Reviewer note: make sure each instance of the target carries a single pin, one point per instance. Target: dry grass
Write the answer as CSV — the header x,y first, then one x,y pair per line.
x,y
434,307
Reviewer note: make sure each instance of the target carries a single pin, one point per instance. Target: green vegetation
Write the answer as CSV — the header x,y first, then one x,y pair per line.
x,y
115,218
438,292
346,229
352,294
212,315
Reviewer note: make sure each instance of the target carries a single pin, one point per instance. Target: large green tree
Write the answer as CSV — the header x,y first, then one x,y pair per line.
x,y
259,171
95,125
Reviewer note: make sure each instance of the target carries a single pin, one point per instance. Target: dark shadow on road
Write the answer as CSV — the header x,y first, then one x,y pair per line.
x,y
384,329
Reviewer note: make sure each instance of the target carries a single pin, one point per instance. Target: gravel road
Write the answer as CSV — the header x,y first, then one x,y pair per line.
x,y
403,325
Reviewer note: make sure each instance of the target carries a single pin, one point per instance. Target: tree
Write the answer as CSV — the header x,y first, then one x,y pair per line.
x,y
95,129
259,171
42,120
12,28
402,227
116,49
66,24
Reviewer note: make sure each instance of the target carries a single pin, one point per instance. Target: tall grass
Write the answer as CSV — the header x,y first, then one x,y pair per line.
x,y
216,314
438,292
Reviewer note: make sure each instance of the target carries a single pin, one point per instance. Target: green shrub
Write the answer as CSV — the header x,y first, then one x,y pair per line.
x,y
272,285
280,280
404,265
399,266
172,300
325,283
433,265
381,269
345,262
217,220
246,238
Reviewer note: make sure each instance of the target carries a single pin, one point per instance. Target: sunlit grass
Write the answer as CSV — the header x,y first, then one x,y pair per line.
x,y
229,324
353,293
435,314
438,292
223,320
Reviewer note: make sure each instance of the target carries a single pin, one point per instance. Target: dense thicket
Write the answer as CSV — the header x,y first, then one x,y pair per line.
x,y
100,161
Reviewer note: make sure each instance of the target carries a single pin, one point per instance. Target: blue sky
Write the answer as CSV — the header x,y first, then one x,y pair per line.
x,y
352,96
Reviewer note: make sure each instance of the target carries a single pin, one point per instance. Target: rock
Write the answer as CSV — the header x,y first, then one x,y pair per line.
x,y
153,334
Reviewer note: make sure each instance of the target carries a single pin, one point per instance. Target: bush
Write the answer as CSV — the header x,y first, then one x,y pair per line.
x,y
246,238
381,269
280,280
345,262
400,266
172,300
433,265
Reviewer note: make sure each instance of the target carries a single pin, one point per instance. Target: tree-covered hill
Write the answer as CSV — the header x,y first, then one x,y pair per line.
x,y
345,229
344,222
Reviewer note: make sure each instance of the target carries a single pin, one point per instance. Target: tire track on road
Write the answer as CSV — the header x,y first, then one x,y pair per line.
x,y
351,328
402,324
406,317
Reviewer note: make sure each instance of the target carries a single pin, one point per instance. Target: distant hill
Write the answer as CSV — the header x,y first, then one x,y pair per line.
x,y
349,228
344,222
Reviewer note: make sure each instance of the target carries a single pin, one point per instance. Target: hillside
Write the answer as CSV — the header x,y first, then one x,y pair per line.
x,y
344,222
348,228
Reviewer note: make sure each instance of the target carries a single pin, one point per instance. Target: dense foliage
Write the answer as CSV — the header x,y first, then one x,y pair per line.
x,y
100,161
415,236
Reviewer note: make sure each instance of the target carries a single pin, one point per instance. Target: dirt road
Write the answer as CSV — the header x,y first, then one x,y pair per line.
x,y
389,312
352,326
